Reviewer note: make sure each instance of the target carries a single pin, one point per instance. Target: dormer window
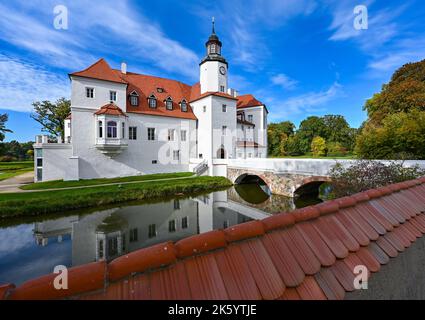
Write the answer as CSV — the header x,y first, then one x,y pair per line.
x,y
160,90
183,105
134,99
169,103
152,102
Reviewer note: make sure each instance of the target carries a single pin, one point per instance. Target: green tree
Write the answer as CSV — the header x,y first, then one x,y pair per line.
x,y
30,154
52,115
400,133
309,128
318,147
277,135
3,119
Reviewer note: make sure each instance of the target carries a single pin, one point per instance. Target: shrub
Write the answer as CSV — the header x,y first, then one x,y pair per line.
x,y
335,149
366,174
7,159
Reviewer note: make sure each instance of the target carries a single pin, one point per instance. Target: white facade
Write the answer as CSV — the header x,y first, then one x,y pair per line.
x,y
106,135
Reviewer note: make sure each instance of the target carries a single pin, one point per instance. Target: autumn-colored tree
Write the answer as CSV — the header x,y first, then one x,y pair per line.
x,y
395,124
405,92
400,134
318,147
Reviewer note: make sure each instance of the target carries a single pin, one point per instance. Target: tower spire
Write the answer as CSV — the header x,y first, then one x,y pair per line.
x,y
213,25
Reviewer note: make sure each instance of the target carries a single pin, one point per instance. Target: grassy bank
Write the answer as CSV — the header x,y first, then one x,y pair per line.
x,y
310,156
11,169
57,184
32,204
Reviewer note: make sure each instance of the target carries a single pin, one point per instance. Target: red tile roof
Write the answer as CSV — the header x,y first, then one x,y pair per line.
x,y
248,100
308,253
146,85
101,71
110,109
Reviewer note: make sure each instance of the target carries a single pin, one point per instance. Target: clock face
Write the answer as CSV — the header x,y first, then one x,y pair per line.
x,y
222,70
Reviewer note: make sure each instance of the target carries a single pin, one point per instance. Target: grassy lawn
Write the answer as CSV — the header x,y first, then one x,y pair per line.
x,y
43,202
11,169
92,182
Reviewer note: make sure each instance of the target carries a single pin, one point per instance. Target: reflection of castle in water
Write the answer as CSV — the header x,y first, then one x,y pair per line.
x,y
109,233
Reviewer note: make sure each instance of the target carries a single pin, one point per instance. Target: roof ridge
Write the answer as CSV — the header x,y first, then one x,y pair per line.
x,y
152,76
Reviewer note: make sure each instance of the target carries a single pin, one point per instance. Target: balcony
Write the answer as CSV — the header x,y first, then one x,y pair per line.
x,y
111,146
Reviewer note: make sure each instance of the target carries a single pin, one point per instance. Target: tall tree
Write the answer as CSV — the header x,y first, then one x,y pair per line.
x,y
394,125
52,115
277,135
309,128
3,119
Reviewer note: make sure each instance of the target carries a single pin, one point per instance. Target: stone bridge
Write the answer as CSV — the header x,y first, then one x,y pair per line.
x,y
289,177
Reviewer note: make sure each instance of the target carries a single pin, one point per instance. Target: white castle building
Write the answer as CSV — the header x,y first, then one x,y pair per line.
x,y
123,124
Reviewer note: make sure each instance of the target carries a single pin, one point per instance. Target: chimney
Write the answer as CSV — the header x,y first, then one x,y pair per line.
x,y
232,92
123,67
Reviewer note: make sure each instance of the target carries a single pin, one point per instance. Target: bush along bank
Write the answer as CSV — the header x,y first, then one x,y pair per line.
x,y
32,204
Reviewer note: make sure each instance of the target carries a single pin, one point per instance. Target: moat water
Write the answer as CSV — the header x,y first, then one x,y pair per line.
x,y
32,247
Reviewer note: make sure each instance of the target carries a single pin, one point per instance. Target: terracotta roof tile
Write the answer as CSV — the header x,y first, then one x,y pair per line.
x,y
378,253
285,262
262,269
100,70
145,86
239,283
310,290
306,254
344,275
248,100
317,245
329,285
204,278
301,251
110,109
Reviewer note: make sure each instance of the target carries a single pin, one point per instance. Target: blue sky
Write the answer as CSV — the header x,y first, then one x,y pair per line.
x,y
300,57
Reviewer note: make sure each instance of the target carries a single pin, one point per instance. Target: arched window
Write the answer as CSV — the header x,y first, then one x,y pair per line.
x,y
169,103
100,124
183,105
134,99
152,102
111,127
213,48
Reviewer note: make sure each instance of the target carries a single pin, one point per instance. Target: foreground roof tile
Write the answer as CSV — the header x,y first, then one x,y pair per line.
x,y
307,254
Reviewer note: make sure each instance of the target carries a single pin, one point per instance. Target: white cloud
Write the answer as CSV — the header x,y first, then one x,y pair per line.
x,y
311,102
22,83
15,238
246,23
102,28
284,81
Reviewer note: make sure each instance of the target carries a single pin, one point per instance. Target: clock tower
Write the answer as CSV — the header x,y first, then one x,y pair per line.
x,y
213,67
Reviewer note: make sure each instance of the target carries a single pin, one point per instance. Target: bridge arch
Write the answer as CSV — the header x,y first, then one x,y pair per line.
x,y
309,185
253,177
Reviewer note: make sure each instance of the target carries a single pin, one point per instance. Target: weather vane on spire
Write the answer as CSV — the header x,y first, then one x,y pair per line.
x,y
213,22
